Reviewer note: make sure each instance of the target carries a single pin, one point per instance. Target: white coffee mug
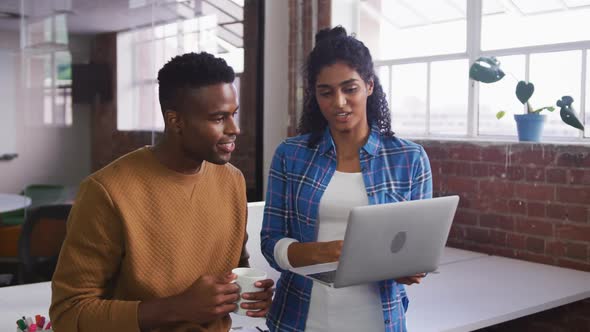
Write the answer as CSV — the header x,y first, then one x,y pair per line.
x,y
247,277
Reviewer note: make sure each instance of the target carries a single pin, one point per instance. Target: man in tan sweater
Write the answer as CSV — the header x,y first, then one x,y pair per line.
x,y
153,237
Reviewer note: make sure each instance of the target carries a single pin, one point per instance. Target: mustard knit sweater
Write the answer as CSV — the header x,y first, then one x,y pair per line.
x,y
140,231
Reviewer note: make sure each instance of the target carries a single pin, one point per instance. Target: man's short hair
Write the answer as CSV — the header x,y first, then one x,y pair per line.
x,y
191,70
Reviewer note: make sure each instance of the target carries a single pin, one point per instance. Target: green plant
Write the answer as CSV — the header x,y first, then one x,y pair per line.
x,y
487,70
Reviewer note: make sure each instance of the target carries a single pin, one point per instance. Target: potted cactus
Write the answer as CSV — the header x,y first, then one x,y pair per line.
x,y
530,124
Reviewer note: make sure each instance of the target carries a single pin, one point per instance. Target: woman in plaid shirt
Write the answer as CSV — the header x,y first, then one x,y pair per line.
x,y
346,156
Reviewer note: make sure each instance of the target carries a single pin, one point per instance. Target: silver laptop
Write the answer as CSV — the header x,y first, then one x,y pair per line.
x,y
388,241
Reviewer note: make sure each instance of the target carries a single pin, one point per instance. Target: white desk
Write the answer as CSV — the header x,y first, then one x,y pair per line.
x,y
487,290
11,202
454,256
34,299
473,291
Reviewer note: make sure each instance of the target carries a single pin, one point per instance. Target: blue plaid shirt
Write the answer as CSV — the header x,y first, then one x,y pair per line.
x,y
393,170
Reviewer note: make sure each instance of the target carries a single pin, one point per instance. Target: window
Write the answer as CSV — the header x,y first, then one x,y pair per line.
x,y
587,93
49,82
500,97
48,70
556,74
423,49
533,22
448,97
142,52
408,104
411,24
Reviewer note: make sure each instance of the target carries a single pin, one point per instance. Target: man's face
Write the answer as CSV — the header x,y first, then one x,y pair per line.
x,y
206,126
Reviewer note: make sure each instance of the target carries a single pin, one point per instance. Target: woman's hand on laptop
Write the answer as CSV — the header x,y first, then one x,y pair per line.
x,y
415,279
327,252
310,253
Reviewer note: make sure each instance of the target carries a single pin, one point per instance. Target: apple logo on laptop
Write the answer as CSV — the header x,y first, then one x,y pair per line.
x,y
398,242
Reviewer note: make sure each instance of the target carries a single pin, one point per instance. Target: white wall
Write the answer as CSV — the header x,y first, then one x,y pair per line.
x,y
276,79
9,48
346,14
7,112
47,154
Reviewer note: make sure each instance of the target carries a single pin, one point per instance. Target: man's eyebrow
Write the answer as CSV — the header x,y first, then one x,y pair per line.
x,y
219,112
352,80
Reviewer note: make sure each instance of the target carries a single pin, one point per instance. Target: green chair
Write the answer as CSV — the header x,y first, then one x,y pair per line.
x,y
40,194
12,218
44,194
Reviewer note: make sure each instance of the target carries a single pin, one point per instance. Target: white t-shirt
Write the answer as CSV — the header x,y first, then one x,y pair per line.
x,y
353,308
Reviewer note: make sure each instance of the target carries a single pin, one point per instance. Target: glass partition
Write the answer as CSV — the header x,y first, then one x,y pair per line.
x,y
80,89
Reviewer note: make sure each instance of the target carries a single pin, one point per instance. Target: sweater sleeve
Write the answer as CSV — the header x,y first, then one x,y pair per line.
x,y
89,260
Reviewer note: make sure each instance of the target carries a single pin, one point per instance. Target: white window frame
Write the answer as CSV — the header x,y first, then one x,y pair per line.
x,y
473,51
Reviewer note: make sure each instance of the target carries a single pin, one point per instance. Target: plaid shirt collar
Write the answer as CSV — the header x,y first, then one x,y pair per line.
x,y
371,147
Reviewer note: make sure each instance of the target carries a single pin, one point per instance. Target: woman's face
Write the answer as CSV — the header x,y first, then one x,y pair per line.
x,y
342,96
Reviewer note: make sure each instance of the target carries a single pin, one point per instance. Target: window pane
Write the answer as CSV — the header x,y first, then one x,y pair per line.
x,y
395,29
60,106
448,97
587,109
383,74
237,85
171,29
191,42
38,88
8,94
555,75
144,65
159,53
408,99
531,23
47,107
500,96
68,102
171,48
150,110
152,47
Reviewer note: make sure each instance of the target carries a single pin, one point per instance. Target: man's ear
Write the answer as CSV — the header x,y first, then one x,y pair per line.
x,y
173,121
370,86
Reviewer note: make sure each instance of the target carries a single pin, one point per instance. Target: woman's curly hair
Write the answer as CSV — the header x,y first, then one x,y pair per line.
x,y
334,45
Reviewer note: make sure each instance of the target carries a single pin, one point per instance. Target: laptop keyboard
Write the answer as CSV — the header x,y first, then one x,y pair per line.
x,y
327,277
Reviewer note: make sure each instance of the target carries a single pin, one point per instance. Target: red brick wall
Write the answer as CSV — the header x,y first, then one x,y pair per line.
x,y
301,42
524,201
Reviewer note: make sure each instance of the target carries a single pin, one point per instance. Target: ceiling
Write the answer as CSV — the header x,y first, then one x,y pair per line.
x,y
93,16
90,17
416,13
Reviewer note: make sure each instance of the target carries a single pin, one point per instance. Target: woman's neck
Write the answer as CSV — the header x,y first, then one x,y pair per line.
x,y
348,145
